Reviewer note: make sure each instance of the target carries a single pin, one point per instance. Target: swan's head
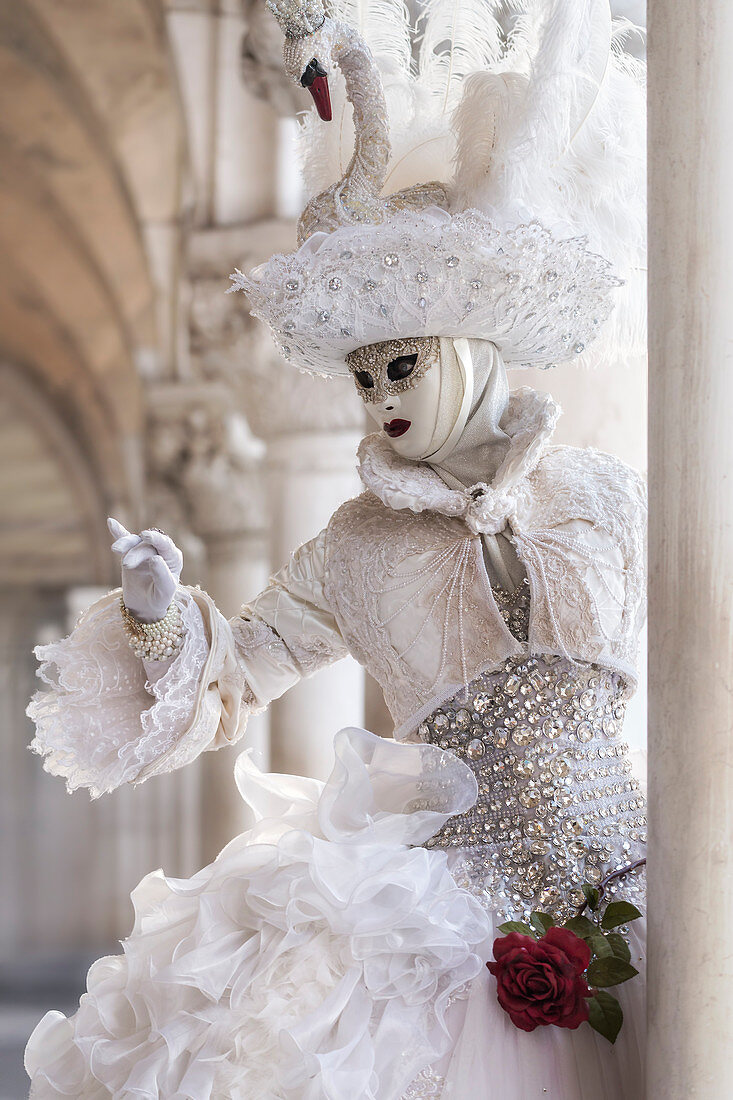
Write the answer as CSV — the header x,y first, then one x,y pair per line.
x,y
307,62
309,35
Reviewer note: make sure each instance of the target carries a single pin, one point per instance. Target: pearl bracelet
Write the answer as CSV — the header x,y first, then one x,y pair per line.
x,y
156,641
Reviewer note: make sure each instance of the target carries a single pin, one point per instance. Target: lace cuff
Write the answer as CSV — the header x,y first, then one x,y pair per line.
x,y
99,724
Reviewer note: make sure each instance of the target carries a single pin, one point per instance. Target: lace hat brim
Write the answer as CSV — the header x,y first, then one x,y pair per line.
x,y
541,300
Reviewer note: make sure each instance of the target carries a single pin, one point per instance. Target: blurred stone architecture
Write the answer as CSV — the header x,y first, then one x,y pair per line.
x,y
146,149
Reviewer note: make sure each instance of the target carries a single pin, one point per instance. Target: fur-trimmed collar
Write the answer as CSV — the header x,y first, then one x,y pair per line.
x,y
529,421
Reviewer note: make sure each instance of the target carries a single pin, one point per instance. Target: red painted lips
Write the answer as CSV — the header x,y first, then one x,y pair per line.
x,y
396,428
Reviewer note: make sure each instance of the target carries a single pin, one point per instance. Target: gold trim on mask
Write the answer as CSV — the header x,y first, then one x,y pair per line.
x,y
374,360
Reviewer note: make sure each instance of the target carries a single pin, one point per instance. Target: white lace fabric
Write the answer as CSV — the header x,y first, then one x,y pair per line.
x,y
430,274
97,724
408,585
288,631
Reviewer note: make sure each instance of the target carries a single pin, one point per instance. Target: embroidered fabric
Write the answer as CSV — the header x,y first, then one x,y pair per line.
x,y
306,652
428,1085
403,588
98,725
408,585
288,631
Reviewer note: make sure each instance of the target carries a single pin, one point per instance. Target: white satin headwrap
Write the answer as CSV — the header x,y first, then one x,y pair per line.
x,y
469,443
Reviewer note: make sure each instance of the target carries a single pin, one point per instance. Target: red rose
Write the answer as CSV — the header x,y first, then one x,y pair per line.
x,y
539,981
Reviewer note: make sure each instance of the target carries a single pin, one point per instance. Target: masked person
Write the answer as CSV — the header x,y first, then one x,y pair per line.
x,y
490,581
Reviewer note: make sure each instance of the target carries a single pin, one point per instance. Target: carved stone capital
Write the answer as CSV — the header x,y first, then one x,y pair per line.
x,y
200,451
262,61
230,347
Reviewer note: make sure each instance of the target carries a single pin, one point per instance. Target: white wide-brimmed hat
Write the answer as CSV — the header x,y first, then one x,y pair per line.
x,y
541,300
536,240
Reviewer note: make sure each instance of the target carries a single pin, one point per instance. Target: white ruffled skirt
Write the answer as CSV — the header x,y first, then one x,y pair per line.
x,y
324,955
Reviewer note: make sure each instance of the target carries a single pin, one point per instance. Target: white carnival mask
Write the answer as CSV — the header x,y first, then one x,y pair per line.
x,y
399,382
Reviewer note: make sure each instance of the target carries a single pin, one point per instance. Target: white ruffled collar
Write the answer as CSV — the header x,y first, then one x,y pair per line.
x,y
400,483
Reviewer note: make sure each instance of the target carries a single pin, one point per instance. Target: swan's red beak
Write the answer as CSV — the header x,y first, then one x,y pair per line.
x,y
315,79
321,97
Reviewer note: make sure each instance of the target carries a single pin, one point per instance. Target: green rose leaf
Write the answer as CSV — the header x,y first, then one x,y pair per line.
x,y
619,912
609,971
605,1015
517,926
600,946
619,946
581,926
591,895
541,921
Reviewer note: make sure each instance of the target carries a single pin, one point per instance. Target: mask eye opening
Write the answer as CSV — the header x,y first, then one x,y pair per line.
x,y
401,367
364,379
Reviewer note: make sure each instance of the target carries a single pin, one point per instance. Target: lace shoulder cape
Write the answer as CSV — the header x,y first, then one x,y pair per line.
x,y
405,574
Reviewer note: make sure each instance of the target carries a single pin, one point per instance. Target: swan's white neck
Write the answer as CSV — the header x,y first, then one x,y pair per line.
x,y
355,197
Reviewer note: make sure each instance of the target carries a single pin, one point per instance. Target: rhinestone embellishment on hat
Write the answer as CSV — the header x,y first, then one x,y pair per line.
x,y
413,274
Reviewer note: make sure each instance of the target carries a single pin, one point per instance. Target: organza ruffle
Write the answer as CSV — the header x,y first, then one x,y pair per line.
x,y
315,959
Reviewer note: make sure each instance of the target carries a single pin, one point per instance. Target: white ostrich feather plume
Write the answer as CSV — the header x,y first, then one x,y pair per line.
x,y
456,37
422,63
558,134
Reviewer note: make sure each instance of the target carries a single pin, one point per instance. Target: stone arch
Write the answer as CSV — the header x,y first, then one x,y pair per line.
x,y
93,192
51,502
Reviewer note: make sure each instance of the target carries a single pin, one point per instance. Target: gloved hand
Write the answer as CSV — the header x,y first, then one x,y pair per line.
x,y
151,568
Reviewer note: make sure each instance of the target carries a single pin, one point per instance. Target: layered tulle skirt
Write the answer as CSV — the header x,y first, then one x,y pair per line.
x,y
324,955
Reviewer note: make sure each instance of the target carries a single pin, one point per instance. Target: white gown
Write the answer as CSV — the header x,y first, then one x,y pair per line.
x,y
337,948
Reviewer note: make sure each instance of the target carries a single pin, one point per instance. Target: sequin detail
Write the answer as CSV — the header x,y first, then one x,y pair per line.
x,y
526,316
374,361
428,1085
557,803
298,18
514,608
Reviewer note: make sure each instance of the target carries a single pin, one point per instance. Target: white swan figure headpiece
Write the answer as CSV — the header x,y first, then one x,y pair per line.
x,y
495,189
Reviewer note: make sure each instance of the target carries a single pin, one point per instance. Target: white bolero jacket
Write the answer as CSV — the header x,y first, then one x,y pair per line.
x,y
397,579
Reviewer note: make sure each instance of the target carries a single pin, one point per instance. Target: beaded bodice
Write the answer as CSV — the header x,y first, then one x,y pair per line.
x,y
557,804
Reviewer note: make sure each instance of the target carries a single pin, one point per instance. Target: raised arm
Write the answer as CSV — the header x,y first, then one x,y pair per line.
x,y
121,705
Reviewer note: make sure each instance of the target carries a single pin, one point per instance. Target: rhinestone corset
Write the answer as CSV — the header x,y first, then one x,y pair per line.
x,y
557,804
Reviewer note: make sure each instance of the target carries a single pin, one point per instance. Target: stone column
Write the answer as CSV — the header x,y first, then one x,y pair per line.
x,y
691,550
311,428
205,459
309,475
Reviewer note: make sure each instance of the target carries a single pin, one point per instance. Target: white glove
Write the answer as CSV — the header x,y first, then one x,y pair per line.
x,y
151,568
